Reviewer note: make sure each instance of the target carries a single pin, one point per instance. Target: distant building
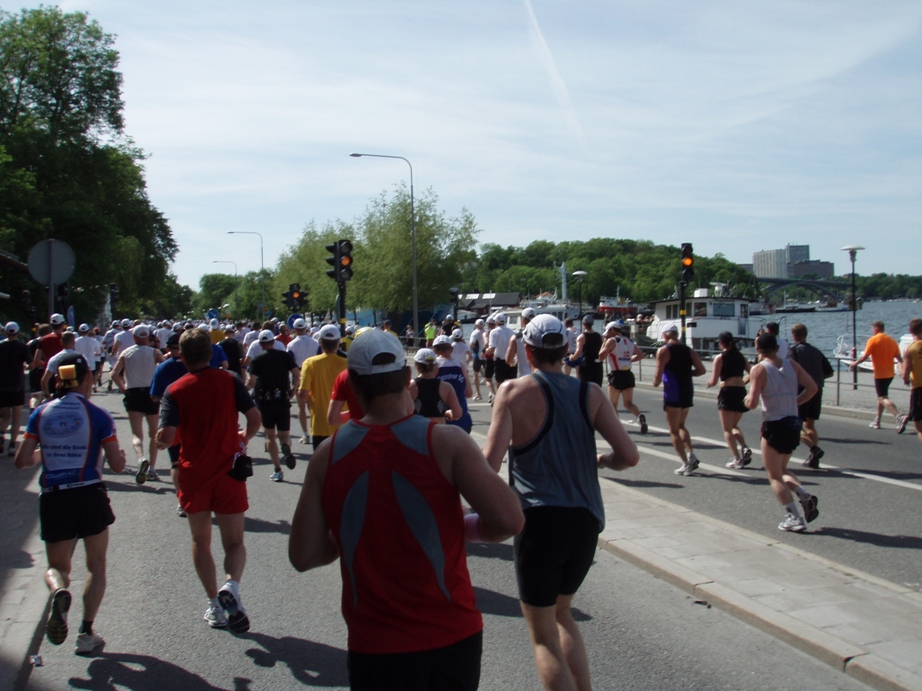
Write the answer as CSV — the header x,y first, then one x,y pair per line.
x,y
770,264
813,267
795,254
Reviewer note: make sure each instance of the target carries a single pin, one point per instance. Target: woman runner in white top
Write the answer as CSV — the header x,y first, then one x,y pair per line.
x,y
622,352
775,382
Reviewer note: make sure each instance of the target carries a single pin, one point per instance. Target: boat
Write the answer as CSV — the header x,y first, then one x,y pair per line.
x,y
618,308
708,314
791,307
546,303
831,306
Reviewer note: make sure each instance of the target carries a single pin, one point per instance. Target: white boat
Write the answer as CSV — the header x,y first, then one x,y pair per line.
x,y
543,304
707,316
843,351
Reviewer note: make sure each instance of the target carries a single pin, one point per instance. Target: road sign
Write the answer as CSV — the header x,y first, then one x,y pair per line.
x,y
51,262
291,320
212,313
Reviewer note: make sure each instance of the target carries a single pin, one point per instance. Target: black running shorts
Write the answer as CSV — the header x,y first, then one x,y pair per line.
x,y
504,371
882,386
478,363
553,552
489,368
812,408
276,414
915,404
783,435
138,400
621,379
69,514
731,398
455,667
11,399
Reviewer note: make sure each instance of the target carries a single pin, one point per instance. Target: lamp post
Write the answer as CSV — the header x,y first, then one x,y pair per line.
x,y
579,276
262,267
227,261
852,253
412,236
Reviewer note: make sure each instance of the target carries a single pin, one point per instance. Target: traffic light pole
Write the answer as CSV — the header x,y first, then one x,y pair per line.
x,y
682,286
342,309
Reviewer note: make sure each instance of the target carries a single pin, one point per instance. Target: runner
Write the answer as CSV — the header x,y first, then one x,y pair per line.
x,y
49,381
500,338
73,504
14,361
547,423
454,373
302,347
515,354
912,375
37,371
588,345
572,335
432,398
383,493
270,373
489,362
318,374
477,346
230,346
818,367
730,368
87,345
882,350
133,374
170,370
622,352
676,364
775,382
202,407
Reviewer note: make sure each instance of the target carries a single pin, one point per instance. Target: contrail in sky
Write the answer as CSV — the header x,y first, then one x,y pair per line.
x,y
557,83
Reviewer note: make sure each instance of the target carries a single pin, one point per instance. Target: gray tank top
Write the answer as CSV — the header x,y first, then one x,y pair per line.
x,y
779,397
139,366
559,467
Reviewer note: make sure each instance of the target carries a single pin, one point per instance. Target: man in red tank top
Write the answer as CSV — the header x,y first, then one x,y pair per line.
x,y
384,495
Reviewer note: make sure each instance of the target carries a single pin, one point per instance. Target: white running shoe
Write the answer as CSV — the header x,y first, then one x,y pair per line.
x,y
792,523
736,463
304,440
237,620
903,420
875,424
214,615
152,475
277,476
87,643
141,475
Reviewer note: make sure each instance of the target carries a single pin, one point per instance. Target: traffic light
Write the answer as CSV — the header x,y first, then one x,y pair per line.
x,y
113,295
341,260
289,297
688,262
333,249
297,295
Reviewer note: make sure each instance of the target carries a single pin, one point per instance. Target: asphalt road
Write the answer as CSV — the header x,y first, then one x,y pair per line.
x,y
640,632
869,486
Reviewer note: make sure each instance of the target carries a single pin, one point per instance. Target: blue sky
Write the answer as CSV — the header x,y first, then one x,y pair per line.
x,y
734,125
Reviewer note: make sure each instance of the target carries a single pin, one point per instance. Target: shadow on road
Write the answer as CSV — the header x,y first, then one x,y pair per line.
x,y
312,664
257,525
898,541
491,602
490,550
143,673
840,440
641,484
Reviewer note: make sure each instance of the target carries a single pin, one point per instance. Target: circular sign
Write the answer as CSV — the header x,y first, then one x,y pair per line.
x,y
212,313
291,320
52,262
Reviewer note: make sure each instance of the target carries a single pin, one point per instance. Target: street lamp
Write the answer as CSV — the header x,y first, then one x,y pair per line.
x,y
580,276
262,267
852,253
412,235
228,261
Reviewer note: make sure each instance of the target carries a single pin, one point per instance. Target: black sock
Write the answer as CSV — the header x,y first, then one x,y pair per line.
x,y
86,627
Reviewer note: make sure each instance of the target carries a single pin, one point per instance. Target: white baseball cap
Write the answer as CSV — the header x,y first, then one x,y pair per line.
x,y
441,340
479,322
611,325
83,328
500,318
266,336
299,323
373,343
670,328
528,313
457,335
329,333
126,323
425,356
11,328
57,319
140,331
545,331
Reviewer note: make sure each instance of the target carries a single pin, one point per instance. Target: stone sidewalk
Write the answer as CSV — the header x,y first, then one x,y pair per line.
x,y
867,627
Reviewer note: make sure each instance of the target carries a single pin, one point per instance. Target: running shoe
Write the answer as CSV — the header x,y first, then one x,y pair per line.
x,y
643,423
304,440
277,476
875,424
290,460
736,463
813,459
681,469
746,457
12,450
692,464
56,628
179,511
152,475
903,420
87,643
141,475
478,397
237,620
214,615
811,507
792,523
490,399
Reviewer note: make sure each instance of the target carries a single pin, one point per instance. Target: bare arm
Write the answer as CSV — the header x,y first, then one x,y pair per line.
x,y
311,543
580,342
116,374
623,452
488,494
115,456
606,349
28,453
166,437
907,366
500,433
512,351
756,384
806,381
715,373
335,414
448,395
699,368
254,422
638,354
662,359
